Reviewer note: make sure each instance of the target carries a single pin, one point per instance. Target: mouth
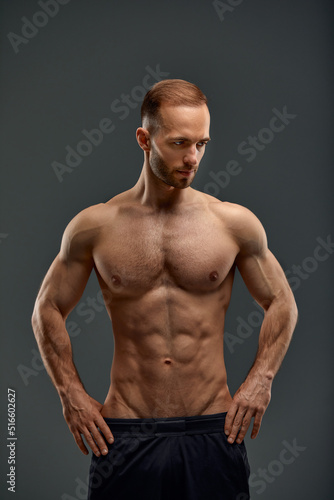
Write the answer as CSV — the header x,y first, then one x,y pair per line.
x,y
186,173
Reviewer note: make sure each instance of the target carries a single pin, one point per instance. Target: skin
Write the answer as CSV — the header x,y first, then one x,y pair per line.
x,y
165,256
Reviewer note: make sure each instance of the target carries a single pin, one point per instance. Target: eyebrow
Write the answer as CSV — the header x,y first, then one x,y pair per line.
x,y
206,139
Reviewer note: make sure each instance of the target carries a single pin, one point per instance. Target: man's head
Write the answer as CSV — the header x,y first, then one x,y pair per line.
x,y
175,130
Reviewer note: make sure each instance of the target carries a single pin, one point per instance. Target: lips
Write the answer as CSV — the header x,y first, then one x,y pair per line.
x,y
186,173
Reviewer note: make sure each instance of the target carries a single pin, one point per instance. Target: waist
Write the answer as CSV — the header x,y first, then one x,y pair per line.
x,y
168,425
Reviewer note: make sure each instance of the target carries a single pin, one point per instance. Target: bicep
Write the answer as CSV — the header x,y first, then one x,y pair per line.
x,y
64,283
263,276
67,277
259,269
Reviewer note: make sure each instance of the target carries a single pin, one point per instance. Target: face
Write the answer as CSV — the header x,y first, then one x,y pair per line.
x,y
178,146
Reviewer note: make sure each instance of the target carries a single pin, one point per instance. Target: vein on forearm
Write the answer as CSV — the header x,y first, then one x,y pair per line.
x,y
55,347
275,337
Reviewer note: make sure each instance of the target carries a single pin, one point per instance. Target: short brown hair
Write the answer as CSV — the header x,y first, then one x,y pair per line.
x,y
174,92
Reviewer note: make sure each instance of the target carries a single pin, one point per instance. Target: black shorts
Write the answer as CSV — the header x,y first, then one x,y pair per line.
x,y
175,458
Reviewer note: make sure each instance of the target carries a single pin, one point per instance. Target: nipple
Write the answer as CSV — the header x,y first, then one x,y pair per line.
x,y
116,280
213,276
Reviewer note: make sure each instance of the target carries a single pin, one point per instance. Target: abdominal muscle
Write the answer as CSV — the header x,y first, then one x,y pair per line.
x,y
168,357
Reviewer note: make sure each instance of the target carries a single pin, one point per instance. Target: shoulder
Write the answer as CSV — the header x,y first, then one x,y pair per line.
x,y
82,231
90,221
93,218
86,220
241,224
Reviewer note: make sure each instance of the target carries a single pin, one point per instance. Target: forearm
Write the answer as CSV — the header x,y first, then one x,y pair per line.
x,y
253,396
275,336
55,348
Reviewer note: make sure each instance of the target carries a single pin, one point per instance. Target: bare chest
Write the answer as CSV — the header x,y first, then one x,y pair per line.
x,y
137,254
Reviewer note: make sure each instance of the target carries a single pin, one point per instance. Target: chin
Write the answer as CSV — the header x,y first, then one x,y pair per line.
x,y
184,185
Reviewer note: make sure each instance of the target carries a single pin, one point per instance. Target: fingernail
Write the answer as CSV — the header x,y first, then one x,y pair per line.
x,y
110,440
104,450
230,440
97,453
227,433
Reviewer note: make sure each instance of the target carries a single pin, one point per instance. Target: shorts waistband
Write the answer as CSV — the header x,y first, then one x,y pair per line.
x,y
168,425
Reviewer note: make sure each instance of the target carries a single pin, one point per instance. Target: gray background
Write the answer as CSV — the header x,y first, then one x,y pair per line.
x,y
262,55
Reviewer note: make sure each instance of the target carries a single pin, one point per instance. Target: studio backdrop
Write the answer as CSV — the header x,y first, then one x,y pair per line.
x,y
73,75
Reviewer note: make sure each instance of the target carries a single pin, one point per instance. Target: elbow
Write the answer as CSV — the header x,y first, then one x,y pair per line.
x,y
291,308
38,315
294,310
35,317
285,303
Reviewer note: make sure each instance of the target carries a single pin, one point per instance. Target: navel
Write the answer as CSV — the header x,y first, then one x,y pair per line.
x,y
213,276
168,361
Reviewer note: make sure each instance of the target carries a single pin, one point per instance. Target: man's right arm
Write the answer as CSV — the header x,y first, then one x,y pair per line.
x,y
60,291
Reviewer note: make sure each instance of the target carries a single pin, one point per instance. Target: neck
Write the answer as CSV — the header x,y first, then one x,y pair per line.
x,y
152,191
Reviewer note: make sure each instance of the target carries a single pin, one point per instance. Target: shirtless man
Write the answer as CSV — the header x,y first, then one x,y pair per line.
x,y
165,256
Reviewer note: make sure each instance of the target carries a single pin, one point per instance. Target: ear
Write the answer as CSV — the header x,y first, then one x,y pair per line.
x,y
143,138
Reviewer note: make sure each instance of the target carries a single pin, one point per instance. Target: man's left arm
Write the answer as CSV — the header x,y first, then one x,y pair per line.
x,y
266,281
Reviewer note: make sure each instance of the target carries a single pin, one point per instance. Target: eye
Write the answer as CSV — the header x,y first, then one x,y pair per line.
x,y
178,143
201,144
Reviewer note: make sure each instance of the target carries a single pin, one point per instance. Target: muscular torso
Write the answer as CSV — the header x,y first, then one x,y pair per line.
x,y
166,278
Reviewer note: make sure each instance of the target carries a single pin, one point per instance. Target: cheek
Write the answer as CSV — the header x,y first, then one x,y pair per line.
x,y
171,157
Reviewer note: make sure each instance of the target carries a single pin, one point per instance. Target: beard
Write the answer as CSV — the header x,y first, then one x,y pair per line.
x,y
165,174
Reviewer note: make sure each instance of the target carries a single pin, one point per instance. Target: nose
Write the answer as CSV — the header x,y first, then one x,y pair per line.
x,y
190,157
